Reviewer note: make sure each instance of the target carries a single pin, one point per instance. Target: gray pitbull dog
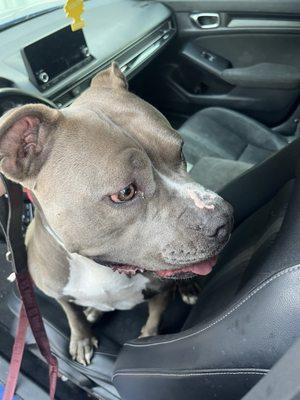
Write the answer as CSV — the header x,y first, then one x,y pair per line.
x,y
116,212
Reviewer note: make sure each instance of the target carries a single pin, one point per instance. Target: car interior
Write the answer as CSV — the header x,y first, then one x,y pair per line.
x,y
226,74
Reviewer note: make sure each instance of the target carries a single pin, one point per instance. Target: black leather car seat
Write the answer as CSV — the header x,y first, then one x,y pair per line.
x,y
221,144
249,312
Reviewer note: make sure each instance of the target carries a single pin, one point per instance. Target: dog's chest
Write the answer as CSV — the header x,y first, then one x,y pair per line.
x,y
93,285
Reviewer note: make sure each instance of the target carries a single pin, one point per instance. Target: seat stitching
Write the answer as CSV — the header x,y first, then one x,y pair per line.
x,y
204,370
193,373
232,310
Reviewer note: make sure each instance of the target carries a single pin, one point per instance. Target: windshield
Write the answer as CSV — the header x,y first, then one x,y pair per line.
x,y
14,11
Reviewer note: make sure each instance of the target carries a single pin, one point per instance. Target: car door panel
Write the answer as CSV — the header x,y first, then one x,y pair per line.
x,y
231,6
246,57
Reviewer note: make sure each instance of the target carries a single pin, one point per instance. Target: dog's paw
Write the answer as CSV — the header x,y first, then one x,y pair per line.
x,y
92,314
148,331
190,299
190,292
82,349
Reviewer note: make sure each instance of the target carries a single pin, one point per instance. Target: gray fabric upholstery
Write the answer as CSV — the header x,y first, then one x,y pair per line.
x,y
214,173
220,133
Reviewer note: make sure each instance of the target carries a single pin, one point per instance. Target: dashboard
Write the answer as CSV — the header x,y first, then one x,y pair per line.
x,y
44,59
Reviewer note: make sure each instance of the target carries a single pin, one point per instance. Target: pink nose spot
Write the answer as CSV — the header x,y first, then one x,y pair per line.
x,y
198,202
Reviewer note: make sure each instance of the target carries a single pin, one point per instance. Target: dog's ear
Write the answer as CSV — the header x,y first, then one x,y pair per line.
x,y
24,140
111,77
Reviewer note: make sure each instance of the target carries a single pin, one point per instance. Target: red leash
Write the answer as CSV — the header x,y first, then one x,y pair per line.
x,y
29,312
17,355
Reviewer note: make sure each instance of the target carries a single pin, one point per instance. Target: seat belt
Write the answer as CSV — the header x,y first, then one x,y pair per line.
x,y
29,311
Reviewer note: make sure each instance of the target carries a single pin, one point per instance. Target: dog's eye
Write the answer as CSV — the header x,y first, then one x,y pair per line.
x,y
125,194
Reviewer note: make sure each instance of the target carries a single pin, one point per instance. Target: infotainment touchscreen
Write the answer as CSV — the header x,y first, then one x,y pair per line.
x,y
55,56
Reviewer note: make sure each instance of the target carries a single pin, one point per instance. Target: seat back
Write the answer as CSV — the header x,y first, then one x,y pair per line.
x,y
249,312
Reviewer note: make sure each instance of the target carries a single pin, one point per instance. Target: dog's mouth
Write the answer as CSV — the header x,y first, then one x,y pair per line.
x,y
199,268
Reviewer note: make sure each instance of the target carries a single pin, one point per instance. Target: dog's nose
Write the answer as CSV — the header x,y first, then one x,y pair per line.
x,y
218,229
216,224
215,227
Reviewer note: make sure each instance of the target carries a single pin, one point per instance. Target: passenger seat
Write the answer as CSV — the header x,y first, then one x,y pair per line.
x,y
248,313
221,144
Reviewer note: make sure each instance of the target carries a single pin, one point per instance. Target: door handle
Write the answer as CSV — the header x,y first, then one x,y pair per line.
x,y
206,20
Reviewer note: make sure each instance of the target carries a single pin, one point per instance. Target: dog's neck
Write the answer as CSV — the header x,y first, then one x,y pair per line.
x,y
54,235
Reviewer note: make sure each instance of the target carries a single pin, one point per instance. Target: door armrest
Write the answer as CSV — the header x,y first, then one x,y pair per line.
x,y
264,75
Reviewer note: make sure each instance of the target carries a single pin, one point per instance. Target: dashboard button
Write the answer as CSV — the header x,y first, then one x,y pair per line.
x,y
43,77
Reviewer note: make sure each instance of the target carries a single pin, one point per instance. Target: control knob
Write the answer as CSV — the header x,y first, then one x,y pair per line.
x,y
43,77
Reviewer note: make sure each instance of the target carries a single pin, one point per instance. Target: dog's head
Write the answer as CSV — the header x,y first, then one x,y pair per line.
x,y
110,177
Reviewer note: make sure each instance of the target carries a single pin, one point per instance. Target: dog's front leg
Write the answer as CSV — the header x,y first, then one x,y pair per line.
x,y
157,306
82,342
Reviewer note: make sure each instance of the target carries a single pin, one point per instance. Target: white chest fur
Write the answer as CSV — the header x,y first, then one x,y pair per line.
x,y
93,285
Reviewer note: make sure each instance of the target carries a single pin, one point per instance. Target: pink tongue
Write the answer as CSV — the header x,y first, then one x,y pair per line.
x,y
202,268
